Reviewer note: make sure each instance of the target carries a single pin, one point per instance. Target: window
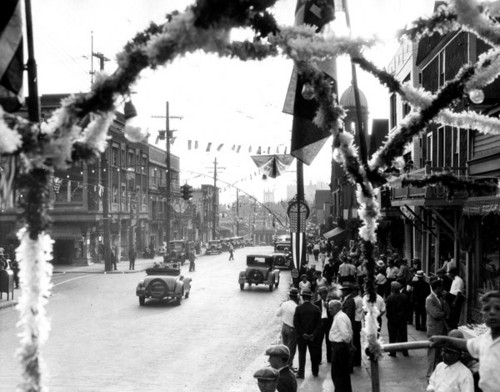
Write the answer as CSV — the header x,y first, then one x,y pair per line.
x,y
115,154
429,147
441,68
393,111
131,159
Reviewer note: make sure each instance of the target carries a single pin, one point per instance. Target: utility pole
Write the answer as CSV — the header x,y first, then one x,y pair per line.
x,y
33,99
168,136
106,224
93,54
214,200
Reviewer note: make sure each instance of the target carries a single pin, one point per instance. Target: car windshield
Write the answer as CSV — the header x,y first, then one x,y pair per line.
x,y
177,246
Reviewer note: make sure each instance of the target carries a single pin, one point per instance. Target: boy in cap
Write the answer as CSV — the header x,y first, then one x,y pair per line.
x,y
278,359
267,379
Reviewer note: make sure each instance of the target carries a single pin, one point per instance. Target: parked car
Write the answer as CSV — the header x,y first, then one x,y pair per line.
x,y
248,243
163,281
283,260
260,270
214,247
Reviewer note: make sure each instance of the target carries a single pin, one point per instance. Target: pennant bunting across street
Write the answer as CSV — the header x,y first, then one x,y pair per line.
x,y
272,165
307,138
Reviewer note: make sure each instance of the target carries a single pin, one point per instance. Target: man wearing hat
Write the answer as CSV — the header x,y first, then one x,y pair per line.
x,y
397,316
287,312
421,290
307,324
267,379
278,359
326,323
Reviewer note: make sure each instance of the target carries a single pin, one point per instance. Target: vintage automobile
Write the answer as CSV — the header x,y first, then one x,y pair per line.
x,y
214,247
260,270
283,260
163,281
178,251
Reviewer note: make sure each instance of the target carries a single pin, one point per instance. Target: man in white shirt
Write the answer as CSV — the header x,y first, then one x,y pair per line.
x,y
451,374
455,298
379,304
287,312
341,341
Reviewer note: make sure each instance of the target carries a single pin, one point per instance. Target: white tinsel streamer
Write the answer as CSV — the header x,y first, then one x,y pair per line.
x,y
471,19
11,139
135,134
95,135
487,70
369,211
484,124
371,330
35,273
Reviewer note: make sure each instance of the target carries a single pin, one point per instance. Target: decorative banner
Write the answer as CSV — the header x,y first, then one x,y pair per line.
x,y
11,48
272,165
220,146
307,137
209,146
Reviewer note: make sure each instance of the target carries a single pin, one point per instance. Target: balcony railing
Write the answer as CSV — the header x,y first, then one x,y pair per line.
x,y
429,192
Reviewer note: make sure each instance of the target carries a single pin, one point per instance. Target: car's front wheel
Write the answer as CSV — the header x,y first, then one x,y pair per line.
x,y
142,300
242,286
271,287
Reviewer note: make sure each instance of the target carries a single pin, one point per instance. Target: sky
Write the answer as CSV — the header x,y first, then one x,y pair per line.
x,y
220,100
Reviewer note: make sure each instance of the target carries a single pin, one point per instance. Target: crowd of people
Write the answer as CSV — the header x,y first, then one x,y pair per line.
x,y
8,262
325,309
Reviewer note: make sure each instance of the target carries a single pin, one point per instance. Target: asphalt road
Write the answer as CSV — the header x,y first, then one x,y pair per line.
x,y
102,340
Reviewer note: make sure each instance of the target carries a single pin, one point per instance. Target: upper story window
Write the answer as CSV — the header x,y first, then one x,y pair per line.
x,y
393,111
115,156
131,159
441,68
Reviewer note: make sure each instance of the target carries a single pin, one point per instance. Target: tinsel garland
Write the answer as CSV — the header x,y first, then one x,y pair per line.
x,y
35,274
453,183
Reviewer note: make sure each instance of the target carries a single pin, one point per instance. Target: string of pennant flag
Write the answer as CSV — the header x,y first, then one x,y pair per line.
x,y
237,148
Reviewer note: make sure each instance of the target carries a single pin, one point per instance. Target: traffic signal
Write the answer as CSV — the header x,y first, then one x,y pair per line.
x,y
187,192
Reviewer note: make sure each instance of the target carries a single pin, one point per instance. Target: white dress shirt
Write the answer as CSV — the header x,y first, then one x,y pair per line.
x,y
451,378
457,286
286,311
341,330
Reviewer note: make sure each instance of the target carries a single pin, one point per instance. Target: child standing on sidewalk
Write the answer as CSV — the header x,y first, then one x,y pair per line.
x,y
485,347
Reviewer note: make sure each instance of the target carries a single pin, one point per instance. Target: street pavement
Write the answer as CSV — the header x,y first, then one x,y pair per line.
x,y
398,374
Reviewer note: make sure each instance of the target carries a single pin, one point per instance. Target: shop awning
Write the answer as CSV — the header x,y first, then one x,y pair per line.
x,y
333,233
481,206
65,232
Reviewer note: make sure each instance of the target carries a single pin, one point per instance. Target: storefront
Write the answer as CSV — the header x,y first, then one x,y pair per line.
x,y
480,239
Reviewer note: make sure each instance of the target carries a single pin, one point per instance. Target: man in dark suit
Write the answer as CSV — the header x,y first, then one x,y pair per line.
x,y
326,323
307,323
397,316
421,290
278,359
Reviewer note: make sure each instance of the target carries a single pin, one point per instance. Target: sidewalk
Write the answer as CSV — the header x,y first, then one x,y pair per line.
x,y
96,268
400,374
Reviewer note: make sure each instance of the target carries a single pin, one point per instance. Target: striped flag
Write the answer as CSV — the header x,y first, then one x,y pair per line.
x,y
11,58
307,138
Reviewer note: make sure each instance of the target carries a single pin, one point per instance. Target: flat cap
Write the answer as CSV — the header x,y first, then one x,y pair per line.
x,y
267,373
278,350
293,292
420,273
396,286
